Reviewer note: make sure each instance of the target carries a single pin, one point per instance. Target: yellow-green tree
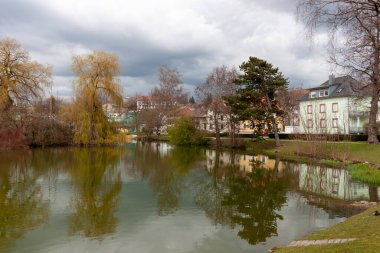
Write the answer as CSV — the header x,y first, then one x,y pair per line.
x,y
96,81
21,79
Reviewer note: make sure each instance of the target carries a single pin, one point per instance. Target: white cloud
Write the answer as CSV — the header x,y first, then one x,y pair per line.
x,y
192,35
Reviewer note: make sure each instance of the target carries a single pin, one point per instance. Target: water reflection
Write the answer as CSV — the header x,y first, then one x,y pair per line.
x,y
114,194
243,193
333,183
97,182
165,168
22,207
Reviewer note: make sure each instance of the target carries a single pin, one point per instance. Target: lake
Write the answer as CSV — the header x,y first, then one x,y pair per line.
x,y
159,198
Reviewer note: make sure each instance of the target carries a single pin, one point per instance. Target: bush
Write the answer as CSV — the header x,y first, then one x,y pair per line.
x,y
185,132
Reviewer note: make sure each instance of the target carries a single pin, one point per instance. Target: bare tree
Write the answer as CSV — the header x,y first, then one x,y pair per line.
x,y
21,79
354,27
150,121
218,84
170,90
288,100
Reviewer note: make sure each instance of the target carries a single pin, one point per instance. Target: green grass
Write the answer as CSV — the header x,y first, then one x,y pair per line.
x,y
337,151
364,226
365,173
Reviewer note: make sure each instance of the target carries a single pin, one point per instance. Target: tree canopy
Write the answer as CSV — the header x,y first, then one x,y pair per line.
x,y
256,95
218,84
96,81
21,79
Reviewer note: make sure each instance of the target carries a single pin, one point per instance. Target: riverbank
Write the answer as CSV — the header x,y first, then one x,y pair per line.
x,y
361,158
365,227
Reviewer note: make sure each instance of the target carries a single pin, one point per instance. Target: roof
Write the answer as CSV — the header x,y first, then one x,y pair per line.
x,y
192,111
344,86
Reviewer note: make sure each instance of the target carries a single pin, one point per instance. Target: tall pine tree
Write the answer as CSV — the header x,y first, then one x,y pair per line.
x,y
256,95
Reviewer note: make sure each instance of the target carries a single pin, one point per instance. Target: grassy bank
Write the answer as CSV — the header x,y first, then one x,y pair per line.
x,y
363,226
356,152
362,159
365,173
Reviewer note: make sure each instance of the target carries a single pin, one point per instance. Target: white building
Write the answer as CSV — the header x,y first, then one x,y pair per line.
x,y
338,105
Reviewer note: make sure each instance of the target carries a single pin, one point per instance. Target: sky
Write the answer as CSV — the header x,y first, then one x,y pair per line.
x,y
193,36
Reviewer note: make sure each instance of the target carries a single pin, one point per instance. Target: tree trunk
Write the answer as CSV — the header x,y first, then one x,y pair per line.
x,y
232,131
217,131
276,137
372,126
373,195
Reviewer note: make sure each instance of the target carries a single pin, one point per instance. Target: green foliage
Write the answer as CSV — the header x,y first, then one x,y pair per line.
x,y
365,173
92,127
256,95
185,132
96,80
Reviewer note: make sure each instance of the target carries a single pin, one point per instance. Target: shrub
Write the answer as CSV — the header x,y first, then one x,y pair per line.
x,y
185,132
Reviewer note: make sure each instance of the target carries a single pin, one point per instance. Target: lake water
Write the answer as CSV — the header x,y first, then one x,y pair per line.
x,y
157,198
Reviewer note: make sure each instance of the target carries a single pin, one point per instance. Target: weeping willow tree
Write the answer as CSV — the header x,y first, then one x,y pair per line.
x,y
21,79
96,81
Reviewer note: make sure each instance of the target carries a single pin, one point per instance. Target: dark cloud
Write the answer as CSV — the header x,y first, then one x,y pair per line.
x,y
193,36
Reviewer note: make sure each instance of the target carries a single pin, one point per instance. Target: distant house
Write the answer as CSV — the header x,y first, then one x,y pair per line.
x,y
204,118
290,104
120,115
339,105
152,102
249,127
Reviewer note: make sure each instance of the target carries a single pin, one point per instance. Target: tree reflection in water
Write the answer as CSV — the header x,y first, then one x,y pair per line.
x,y
248,201
97,183
165,169
22,207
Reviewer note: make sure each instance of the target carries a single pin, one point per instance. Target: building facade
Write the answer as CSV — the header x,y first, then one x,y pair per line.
x,y
338,106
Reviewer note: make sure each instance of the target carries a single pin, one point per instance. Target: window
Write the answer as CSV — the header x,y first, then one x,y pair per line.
x,y
221,117
313,94
335,107
309,123
309,109
322,123
322,108
211,126
205,126
221,126
335,123
245,125
323,93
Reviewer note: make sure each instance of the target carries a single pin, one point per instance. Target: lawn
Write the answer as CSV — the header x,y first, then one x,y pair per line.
x,y
341,151
363,226
361,158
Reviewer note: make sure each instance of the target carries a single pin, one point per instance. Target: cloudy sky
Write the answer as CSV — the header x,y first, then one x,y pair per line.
x,y
192,35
